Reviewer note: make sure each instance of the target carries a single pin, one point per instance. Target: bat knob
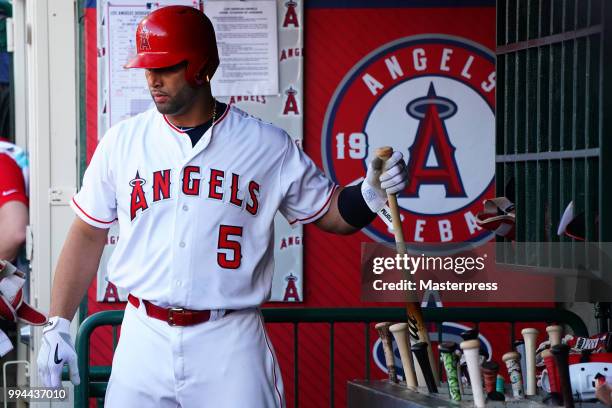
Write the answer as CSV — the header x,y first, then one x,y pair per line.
x,y
447,347
529,331
384,153
518,343
471,334
554,334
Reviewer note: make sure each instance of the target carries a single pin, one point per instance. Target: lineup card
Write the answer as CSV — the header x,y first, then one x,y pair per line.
x,y
260,46
129,94
127,89
247,40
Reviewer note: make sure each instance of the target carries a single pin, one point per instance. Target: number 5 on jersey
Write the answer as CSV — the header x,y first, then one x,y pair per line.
x,y
231,256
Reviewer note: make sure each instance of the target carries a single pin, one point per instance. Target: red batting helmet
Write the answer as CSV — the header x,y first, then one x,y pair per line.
x,y
174,34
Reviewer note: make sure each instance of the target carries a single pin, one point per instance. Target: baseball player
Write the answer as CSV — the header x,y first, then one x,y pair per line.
x,y
194,185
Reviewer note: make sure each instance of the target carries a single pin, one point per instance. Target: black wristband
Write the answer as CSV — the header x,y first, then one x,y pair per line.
x,y
353,208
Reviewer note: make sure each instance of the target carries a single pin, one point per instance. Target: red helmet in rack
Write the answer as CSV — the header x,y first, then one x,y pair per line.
x,y
174,34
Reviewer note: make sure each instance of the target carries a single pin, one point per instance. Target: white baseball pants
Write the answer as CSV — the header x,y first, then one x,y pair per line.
x,y
225,363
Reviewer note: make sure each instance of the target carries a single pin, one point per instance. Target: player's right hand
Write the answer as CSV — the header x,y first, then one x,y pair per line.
x,y
56,350
383,179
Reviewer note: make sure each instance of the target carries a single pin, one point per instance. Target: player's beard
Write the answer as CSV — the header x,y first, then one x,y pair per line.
x,y
178,103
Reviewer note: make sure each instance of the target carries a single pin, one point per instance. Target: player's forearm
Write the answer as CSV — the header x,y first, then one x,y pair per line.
x,y
332,221
76,267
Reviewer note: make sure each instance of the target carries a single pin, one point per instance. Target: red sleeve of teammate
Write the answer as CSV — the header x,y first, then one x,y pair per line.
x,y
12,186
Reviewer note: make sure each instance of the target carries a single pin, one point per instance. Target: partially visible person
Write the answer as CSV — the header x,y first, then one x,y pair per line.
x,y
6,126
603,392
13,224
13,199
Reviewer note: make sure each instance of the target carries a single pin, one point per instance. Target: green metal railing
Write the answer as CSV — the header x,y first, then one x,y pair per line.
x,y
94,379
554,109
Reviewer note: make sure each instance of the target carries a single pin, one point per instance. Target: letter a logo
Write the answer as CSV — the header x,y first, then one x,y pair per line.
x,y
291,290
291,17
432,156
291,105
111,294
139,200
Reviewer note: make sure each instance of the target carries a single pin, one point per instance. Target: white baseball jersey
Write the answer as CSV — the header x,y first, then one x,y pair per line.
x,y
196,223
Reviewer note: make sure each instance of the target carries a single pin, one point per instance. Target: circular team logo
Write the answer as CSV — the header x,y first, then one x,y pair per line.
x,y
432,97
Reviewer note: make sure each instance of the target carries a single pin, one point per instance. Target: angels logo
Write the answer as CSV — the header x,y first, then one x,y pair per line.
x,y
291,17
291,105
138,200
291,291
144,39
432,98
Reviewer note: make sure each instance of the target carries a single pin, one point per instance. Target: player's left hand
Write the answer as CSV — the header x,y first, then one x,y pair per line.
x,y
379,183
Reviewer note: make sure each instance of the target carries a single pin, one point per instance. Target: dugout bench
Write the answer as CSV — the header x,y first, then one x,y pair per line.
x,y
94,379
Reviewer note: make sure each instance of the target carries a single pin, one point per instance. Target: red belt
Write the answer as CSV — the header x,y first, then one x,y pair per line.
x,y
174,316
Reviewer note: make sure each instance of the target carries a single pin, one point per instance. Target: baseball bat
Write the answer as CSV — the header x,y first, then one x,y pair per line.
x,y
513,364
489,372
385,338
561,352
449,359
420,351
530,335
553,378
472,357
554,334
399,333
519,347
470,334
416,323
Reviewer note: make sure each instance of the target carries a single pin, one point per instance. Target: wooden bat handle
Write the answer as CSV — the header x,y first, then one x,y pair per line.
x,y
416,322
554,334
561,352
385,338
384,153
530,335
472,357
399,333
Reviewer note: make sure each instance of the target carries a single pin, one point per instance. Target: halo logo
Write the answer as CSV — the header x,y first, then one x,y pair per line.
x,y
432,98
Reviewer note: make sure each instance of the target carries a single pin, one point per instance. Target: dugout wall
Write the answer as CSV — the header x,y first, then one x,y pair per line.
x,y
553,121
553,113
